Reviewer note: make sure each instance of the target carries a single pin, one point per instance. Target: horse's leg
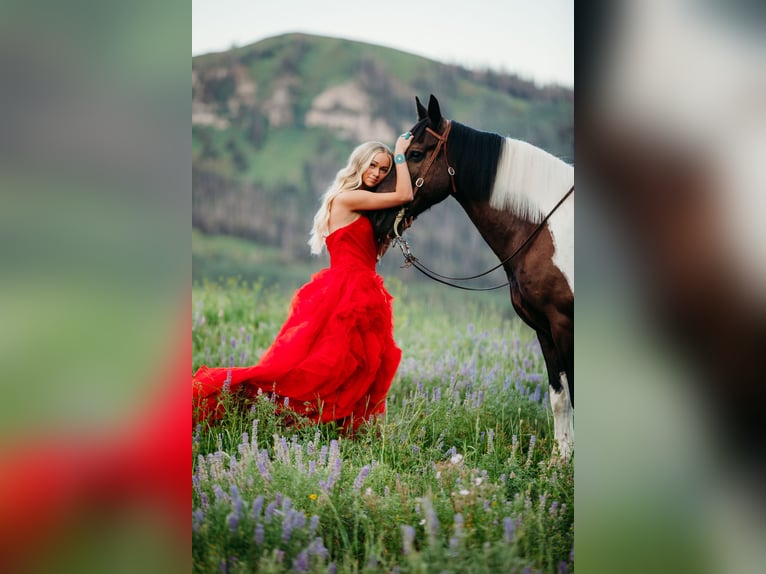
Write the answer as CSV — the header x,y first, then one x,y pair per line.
x,y
560,372
561,404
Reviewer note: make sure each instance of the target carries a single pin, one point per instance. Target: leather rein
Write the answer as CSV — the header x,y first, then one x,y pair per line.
x,y
411,260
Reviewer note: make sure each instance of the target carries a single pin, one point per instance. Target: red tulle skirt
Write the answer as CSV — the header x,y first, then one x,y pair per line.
x,y
333,359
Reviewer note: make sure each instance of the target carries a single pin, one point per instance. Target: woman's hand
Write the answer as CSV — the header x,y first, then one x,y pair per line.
x,y
402,143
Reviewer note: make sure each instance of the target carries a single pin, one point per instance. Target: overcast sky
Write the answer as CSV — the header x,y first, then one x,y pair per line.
x,y
531,38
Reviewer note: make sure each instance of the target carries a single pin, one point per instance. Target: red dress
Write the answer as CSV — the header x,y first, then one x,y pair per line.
x,y
335,356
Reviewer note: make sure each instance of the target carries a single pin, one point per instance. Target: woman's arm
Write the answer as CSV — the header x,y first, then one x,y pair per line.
x,y
363,200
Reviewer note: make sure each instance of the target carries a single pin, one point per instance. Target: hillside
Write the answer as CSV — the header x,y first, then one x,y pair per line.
x,y
273,121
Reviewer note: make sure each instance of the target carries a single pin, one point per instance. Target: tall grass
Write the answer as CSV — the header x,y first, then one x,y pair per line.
x,y
455,477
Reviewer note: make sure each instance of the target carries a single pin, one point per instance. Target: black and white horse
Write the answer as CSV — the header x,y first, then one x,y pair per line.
x,y
520,198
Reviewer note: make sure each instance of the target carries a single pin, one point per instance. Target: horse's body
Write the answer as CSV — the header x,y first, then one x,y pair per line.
x,y
507,188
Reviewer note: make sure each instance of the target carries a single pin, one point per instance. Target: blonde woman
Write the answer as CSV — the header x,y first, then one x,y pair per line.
x,y
335,356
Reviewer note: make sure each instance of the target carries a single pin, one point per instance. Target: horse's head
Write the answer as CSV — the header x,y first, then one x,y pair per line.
x,y
428,166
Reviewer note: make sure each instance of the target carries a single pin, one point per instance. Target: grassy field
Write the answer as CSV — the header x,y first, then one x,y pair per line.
x,y
455,477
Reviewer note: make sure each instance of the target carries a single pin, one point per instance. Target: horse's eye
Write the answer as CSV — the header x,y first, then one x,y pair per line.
x,y
415,155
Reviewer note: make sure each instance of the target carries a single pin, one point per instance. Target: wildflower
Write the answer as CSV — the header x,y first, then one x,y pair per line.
x,y
317,548
312,467
464,492
554,507
408,538
361,477
257,506
313,525
269,511
331,568
287,527
301,562
233,521
198,516
456,458
477,481
508,529
531,450
258,534
312,496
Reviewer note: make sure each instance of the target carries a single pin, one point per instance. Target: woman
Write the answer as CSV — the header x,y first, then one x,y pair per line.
x,y
335,356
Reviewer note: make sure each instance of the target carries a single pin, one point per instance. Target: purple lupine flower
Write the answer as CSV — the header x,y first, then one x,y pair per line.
x,y
536,395
236,498
531,450
458,525
198,517
280,555
233,521
331,568
287,504
299,520
562,567
432,521
313,525
408,538
258,537
317,548
453,542
233,343
278,499
269,511
554,507
262,470
361,477
323,455
204,502
220,495
312,467
301,562
287,526
508,529
257,506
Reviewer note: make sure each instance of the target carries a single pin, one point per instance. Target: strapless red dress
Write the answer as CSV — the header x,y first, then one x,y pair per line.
x,y
335,356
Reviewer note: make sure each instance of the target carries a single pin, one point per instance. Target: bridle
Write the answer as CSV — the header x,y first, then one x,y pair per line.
x,y
411,260
442,145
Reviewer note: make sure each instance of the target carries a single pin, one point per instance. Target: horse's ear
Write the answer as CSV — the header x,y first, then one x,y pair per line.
x,y
422,112
434,113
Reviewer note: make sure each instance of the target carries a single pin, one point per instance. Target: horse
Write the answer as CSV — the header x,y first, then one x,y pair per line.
x,y
520,199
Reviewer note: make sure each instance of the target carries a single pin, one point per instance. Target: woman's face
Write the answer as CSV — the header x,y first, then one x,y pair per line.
x,y
377,170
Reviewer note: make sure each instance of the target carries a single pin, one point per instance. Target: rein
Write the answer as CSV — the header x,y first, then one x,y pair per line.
x,y
411,260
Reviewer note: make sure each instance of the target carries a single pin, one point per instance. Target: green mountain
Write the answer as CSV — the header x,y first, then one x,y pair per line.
x,y
273,121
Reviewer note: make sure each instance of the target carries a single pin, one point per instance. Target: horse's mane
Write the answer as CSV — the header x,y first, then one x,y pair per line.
x,y
529,181
476,155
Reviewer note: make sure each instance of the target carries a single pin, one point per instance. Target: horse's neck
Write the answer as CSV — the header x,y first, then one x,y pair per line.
x,y
499,228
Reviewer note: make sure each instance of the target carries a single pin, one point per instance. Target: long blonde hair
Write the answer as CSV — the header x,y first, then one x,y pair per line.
x,y
347,178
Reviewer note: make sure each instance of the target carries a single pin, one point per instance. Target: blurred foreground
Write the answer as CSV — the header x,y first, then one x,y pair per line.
x,y
671,135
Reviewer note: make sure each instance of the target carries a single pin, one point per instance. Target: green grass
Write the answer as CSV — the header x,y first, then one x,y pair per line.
x,y
455,477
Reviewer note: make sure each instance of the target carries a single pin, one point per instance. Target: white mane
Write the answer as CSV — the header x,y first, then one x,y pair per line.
x,y
529,181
